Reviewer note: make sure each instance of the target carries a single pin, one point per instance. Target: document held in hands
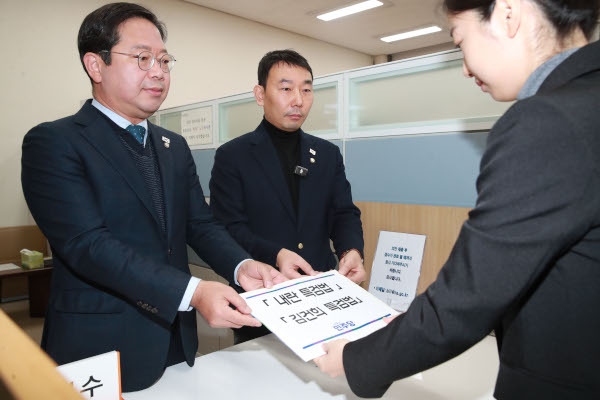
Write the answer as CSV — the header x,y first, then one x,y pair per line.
x,y
306,312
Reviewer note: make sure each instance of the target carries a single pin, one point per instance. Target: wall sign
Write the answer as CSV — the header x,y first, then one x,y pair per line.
x,y
196,126
396,268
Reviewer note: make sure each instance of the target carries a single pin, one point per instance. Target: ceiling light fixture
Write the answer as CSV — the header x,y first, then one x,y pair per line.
x,y
411,34
356,8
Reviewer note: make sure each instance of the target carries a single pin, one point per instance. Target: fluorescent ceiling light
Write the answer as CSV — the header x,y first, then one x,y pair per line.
x,y
356,8
411,34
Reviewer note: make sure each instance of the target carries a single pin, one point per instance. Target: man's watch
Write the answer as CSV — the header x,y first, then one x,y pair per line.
x,y
362,258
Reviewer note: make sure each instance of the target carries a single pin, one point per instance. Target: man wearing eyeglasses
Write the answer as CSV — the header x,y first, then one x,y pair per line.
x,y
118,199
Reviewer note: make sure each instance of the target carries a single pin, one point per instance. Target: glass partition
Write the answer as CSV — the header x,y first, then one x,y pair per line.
x,y
423,95
323,116
242,114
171,121
237,117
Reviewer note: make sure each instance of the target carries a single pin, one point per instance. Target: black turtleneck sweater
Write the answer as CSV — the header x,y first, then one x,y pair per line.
x,y
287,145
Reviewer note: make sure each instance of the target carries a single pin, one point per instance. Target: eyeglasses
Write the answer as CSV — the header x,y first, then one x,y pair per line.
x,y
146,60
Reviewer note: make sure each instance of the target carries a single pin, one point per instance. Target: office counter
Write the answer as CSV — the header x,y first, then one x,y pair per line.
x,y
265,368
38,286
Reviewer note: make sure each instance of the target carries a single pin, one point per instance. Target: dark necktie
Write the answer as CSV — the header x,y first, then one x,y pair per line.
x,y
138,132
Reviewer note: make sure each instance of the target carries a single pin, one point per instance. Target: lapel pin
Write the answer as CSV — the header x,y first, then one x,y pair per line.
x,y
314,153
167,141
312,160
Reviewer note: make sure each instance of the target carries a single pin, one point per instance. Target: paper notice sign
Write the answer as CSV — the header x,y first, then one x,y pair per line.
x,y
306,312
396,268
196,126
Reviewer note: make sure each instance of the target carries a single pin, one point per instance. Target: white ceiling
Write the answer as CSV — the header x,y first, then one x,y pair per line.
x,y
360,32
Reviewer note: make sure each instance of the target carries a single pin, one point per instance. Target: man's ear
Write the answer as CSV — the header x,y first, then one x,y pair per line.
x,y
259,95
507,14
93,65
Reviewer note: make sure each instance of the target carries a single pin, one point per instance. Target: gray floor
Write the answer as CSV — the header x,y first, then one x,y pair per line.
x,y
209,339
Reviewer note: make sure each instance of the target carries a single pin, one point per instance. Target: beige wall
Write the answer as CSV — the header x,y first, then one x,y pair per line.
x,y
217,55
423,51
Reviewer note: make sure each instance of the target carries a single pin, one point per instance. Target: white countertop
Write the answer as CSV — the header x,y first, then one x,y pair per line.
x,y
265,368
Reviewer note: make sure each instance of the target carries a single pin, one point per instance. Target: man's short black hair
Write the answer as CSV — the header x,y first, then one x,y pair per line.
x,y
100,29
289,57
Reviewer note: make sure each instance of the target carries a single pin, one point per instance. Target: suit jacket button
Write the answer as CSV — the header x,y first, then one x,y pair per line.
x,y
139,303
300,246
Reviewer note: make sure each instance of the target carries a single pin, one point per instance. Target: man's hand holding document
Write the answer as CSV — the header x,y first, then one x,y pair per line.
x,y
306,312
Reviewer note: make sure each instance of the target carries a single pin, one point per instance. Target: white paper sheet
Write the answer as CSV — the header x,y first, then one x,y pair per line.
x,y
306,312
8,267
396,268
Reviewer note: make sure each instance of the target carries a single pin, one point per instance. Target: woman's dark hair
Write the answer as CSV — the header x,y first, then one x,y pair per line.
x,y
100,29
289,57
564,15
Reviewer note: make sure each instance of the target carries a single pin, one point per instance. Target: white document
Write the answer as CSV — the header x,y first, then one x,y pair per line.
x,y
397,268
196,126
306,312
97,377
8,267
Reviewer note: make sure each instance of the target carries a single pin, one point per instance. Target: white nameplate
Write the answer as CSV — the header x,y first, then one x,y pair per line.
x,y
97,377
306,312
396,268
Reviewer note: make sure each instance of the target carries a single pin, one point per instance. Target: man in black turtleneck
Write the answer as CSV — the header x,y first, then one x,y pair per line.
x,y
287,146
283,194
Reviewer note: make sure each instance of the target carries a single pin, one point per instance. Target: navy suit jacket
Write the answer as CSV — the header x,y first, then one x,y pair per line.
x,y
118,277
249,194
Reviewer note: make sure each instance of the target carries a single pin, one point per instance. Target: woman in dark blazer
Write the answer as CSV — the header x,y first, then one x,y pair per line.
x,y
527,260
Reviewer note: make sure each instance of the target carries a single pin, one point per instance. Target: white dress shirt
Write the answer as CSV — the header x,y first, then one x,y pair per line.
x,y
193,283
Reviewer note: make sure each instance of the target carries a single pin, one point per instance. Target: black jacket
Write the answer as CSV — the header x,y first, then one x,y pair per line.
x,y
526,262
249,194
118,278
